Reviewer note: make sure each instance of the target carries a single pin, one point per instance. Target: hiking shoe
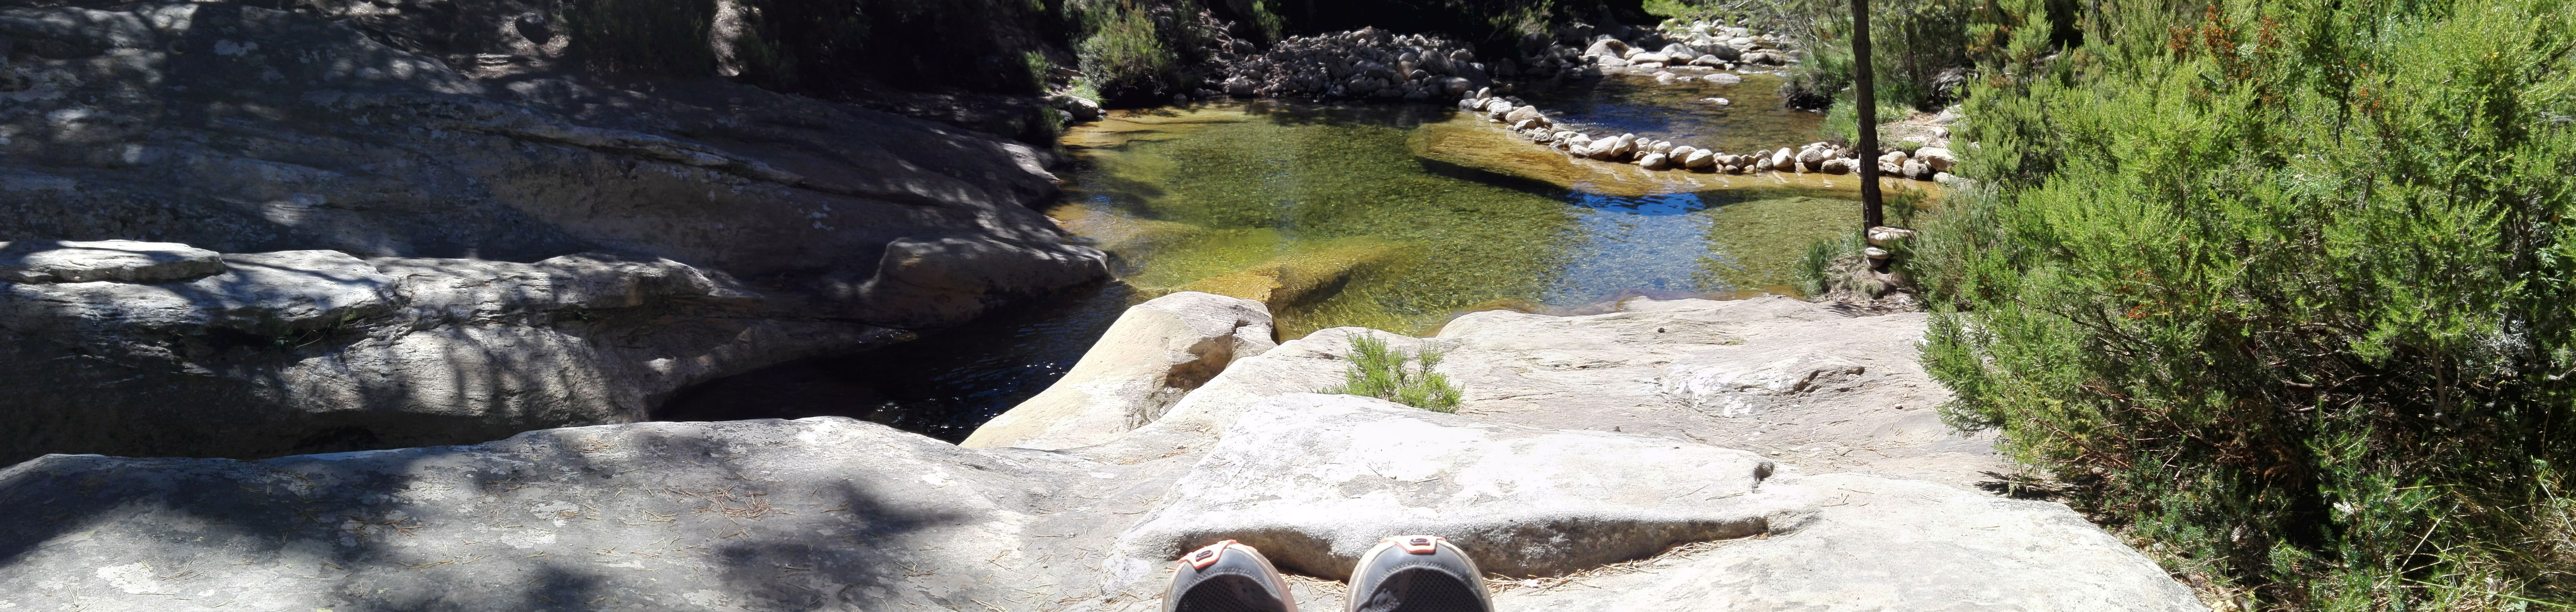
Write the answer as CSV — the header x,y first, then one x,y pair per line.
x,y
1227,577
1418,573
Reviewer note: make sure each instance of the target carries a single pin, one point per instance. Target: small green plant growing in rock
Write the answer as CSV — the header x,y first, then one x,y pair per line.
x,y
1378,371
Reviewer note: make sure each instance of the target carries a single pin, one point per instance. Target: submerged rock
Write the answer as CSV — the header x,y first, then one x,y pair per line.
x,y
1303,277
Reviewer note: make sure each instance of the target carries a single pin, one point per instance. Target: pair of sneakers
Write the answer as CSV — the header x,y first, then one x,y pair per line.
x,y
1414,573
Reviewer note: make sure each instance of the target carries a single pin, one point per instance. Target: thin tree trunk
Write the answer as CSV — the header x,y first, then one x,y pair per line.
x,y
1870,213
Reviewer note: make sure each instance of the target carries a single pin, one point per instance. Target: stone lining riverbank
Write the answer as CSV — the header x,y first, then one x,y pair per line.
x,y
1926,163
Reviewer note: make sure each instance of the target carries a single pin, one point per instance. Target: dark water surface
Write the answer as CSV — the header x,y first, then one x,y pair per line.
x,y
943,385
1329,208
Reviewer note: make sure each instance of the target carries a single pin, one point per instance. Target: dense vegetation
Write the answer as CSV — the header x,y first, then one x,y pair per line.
x,y
1130,51
2282,286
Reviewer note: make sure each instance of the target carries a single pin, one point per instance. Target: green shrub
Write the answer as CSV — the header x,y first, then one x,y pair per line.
x,y
1126,60
642,37
1837,269
1381,372
1912,44
819,46
2284,287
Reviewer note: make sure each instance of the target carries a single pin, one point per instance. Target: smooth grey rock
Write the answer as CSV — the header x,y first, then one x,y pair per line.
x,y
1812,157
1915,169
1315,480
1699,160
1940,159
1153,355
1082,109
1885,236
264,294
1608,48
304,351
1673,369
830,513
1875,543
1654,161
257,132
751,515
59,261
1527,113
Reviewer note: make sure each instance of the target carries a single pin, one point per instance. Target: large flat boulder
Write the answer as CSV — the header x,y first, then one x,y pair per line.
x,y
833,513
303,351
824,513
1813,387
1315,480
1873,543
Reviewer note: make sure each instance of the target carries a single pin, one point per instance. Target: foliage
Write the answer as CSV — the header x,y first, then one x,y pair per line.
x,y
815,45
1838,270
641,37
1493,26
1920,51
1381,372
1126,57
1842,121
2284,286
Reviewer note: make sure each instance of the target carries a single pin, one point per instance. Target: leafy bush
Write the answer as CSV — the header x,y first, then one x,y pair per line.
x,y
1832,269
1919,50
2285,287
1125,58
817,45
1381,372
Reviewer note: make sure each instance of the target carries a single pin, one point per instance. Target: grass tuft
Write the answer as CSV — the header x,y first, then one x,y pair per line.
x,y
1381,372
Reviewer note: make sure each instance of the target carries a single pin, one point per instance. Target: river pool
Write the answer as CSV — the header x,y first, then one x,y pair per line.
x,y
1392,217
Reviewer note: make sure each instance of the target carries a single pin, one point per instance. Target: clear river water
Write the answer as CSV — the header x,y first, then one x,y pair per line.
x,y
1392,217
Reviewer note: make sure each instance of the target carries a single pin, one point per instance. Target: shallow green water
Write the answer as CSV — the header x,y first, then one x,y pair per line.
x,y
1329,211
1333,203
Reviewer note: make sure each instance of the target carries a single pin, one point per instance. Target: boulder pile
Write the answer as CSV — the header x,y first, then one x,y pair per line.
x,y
1700,44
1926,163
1364,63
1370,63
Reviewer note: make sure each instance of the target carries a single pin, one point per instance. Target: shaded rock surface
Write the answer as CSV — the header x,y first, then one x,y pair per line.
x,y
396,190
831,513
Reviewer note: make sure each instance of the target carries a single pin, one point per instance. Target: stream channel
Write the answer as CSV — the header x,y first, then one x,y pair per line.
x,y
1396,217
